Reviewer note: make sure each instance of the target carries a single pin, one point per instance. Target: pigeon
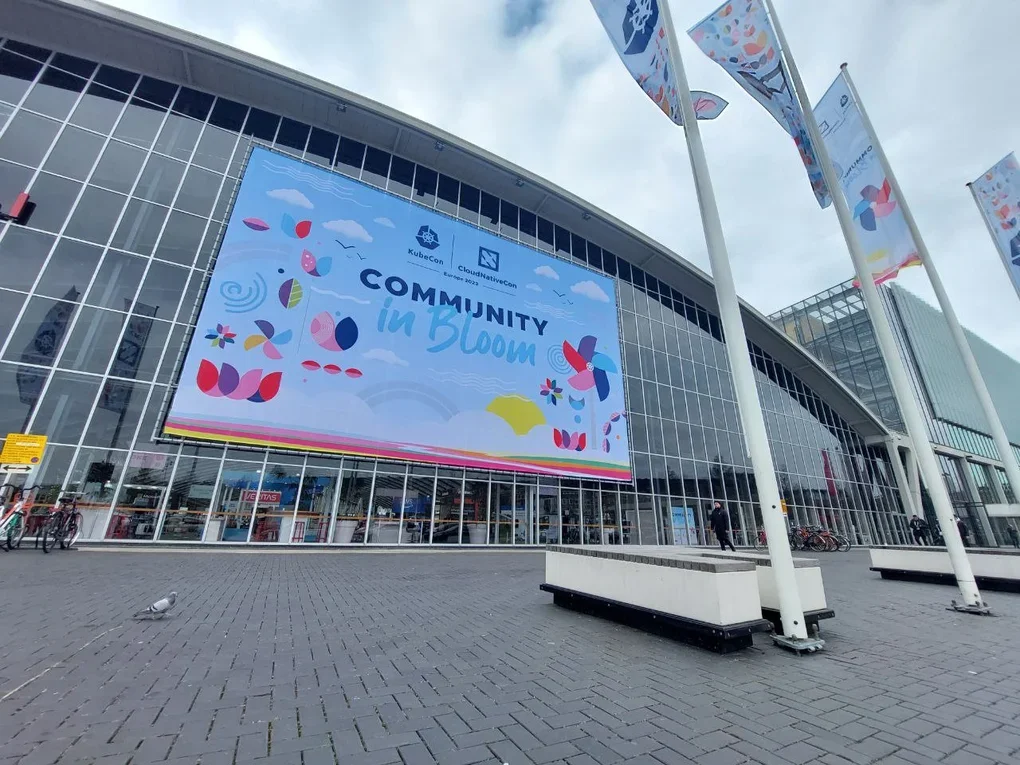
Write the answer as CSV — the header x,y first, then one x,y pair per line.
x,y
160,607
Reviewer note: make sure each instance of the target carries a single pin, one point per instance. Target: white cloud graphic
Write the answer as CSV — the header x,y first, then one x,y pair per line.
x,y
291,197
548,272
386,356
349,228
590,289
385,222
533,287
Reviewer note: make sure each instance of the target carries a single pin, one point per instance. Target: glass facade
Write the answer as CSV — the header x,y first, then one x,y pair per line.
x,y
835,326
132,178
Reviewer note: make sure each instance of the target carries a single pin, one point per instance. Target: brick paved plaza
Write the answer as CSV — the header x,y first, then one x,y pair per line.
x,y
458,658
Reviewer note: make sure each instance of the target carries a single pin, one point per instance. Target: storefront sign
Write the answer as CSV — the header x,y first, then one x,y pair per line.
x,y
23,449
265,497
340,318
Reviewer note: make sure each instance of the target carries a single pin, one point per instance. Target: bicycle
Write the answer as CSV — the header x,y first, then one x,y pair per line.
x,y
761,540
15,527
63,526
12,515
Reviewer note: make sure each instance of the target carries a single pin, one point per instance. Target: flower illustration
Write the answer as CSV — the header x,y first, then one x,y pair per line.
x,y
227,381
574,442
221,336
551,392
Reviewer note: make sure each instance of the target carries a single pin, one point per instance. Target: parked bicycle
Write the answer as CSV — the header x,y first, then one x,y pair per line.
x,y
63,526
813,538
12,527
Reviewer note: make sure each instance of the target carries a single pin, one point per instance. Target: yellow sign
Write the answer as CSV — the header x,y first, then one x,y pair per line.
x,y
782,503
23,449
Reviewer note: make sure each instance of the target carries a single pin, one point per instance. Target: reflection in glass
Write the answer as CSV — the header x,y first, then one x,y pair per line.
x,y
116,415
139,228
136,509
548,515
181,238
476,512
22,253
501,514
352,507
198,192
116,281
387,499
190,497
178,136
27,138
277,499
140,123
118,168
418,507
610,517
315,504
525,514
16,74
592,532
570,507
99,108
55,93
94,479
74,153
160,179
446,529
231,516
95,215
65,408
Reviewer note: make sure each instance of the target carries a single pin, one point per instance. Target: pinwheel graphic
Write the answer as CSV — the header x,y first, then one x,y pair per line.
x,y
592,373
268,340
875,204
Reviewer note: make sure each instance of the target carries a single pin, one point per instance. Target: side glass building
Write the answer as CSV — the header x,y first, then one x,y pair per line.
x,y
836,328
130,137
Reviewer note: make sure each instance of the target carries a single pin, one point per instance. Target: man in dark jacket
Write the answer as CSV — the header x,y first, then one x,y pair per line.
x,y
964,532
920,528
720,521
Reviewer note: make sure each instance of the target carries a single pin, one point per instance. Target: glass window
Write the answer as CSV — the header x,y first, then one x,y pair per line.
x,y
212,238
545,234
92,341
192,103
401,176
115,78
117,281
27,138
470,198
529,227
448,193
32,51
119,167
489,212
190,299
160,180
13,179
228,115
74,153
169,363
136,509
40,333
178,136
190,497
156,92
425,186
16,74
69,271
261,125
20,387
98,109
163,287
65,409
53,198
22,253
321,147
377,166
594,256
292,136
181,238
10,304
198,193
562,242
508,220
215,148
116,414
140,123
137,354
95,215
55,93
350,156
139,228
577,247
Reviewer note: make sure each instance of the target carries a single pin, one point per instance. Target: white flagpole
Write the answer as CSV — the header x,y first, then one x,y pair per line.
x,y
790,609
998,249
916,428
962,344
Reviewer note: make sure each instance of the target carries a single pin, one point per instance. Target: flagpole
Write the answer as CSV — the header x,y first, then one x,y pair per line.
x,y
914,421
962,344
998,249
790,609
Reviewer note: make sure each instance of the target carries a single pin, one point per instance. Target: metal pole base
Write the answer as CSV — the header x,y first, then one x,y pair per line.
x,y
798,645
981,610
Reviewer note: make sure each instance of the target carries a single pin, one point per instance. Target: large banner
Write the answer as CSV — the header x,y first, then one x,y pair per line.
x,y
638,33
739,38
998,195
343,319
881,228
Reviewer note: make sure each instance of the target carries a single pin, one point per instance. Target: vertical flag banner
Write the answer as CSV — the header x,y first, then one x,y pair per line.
x,y
637,31
998,195
881,227
739,38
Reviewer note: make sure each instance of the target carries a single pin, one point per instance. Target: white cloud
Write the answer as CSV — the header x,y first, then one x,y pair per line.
x,y
386,356
385,222
590,289
291,197
548,272
349,228
533,287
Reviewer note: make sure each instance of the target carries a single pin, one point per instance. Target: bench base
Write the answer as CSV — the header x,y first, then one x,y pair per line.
x,y
811,618
933,577
720,639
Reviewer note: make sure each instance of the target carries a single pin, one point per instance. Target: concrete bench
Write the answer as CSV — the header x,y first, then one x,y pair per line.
x,y
993,569
706,602
809,583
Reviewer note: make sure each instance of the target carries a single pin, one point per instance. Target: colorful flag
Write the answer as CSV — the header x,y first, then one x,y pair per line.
x,y
881,227
639,36
830,479
998,196
739,38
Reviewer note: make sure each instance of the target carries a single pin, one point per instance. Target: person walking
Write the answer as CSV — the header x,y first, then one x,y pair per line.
x,y
720,521
1014,535
920,529
964,531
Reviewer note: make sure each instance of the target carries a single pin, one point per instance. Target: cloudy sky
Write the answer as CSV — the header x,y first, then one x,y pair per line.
x,y
537,82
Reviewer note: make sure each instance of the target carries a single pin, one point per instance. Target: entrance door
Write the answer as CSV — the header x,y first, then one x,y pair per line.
x,y
135,512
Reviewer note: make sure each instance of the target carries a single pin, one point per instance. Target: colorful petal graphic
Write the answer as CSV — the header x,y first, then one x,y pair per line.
x,y
332,369
353,373
315,266
256,224
295,229
322,330
310,365
290,293
226,381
